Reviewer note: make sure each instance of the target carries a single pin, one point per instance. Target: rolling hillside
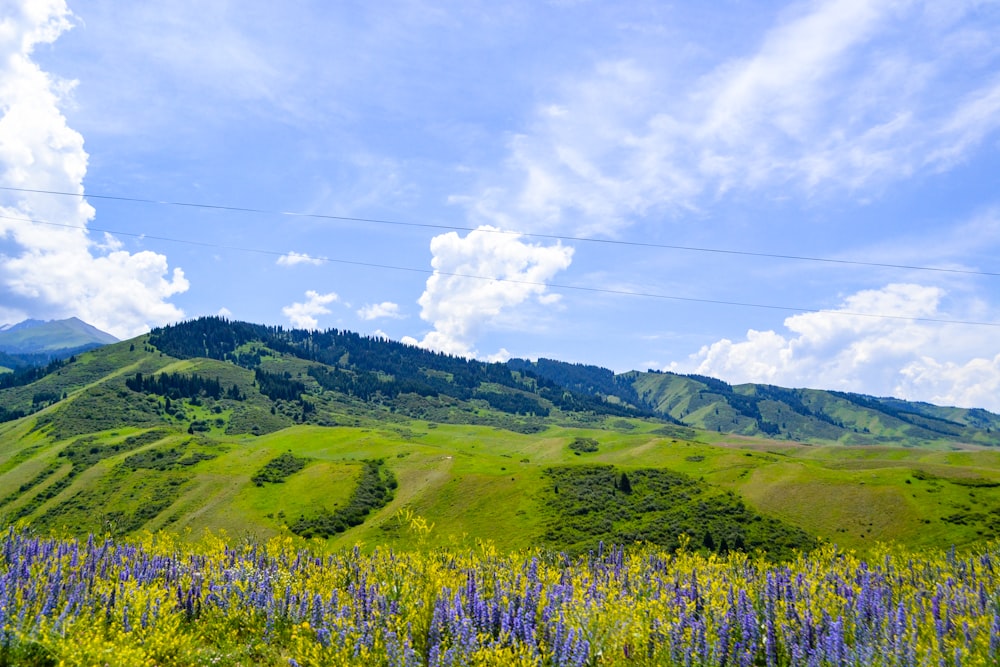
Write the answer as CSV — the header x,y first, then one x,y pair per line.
x,y
806,415
259,430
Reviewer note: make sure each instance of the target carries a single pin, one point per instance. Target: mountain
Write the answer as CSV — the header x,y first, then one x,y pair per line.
x,y
808,415
331,435
34,342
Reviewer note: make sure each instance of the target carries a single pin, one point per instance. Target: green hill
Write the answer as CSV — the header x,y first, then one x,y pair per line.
x,y
804,415
330,435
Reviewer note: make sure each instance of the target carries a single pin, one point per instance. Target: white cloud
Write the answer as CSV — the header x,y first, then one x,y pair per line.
x,y
376,310
58,271
499,357
303,315
970,123
224,312
478,281
292,258
975,383
832,100
903,355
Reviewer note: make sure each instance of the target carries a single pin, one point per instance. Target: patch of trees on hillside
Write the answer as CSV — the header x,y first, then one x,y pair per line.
x,y
584,379
176,385
366,367
793,399
928,423
513,403
25,376
10,415
279,386
278,469
599,503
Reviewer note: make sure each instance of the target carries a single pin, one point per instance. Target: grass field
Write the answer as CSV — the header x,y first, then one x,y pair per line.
x,y
475,482
192,467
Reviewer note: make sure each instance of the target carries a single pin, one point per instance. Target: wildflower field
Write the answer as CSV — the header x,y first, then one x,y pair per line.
x,y
157,601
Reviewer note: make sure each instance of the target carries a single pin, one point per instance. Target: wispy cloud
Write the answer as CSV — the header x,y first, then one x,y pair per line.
x,y
976,117
304,315
832,100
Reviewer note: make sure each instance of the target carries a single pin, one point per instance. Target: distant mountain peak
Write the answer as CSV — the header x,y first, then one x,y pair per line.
x,y
51,337
26,324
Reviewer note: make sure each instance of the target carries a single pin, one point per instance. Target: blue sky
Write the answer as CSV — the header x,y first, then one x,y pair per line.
x,y
567,150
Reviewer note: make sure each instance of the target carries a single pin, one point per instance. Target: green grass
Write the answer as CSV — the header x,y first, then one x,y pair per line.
x,y
319,484
489,478
475,482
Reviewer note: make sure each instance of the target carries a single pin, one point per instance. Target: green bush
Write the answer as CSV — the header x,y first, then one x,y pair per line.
x,y
277,469
588,445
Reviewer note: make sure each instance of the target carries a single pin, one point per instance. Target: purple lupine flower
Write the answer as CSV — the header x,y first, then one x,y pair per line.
x,y
994,650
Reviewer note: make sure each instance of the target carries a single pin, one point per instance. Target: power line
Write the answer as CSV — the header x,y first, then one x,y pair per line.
x,y
555,237
579,288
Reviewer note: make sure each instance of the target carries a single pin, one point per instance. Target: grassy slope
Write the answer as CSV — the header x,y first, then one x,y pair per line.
x,y
827,417
469,481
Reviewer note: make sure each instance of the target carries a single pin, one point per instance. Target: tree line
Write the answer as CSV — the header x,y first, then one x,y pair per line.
x,y
176,385
366,367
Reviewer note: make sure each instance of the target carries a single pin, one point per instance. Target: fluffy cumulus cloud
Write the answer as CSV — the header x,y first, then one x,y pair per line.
x,y
303,315
480,281
904,353
57,270
376,311
293,258
973,383
839,96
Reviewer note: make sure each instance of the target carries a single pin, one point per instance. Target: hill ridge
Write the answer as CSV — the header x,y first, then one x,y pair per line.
x,y
374,370
343,432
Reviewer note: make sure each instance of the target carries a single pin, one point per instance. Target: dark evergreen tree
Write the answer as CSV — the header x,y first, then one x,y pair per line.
x,y
624,485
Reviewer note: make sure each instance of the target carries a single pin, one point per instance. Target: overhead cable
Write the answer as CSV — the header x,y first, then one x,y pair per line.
x,y
579,288
557,237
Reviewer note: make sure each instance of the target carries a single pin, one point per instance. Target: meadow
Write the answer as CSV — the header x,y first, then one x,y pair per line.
x,y
159,601
176,431
298,504
479,482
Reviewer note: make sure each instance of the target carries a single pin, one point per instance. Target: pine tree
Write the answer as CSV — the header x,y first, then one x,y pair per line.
x,y
624,485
